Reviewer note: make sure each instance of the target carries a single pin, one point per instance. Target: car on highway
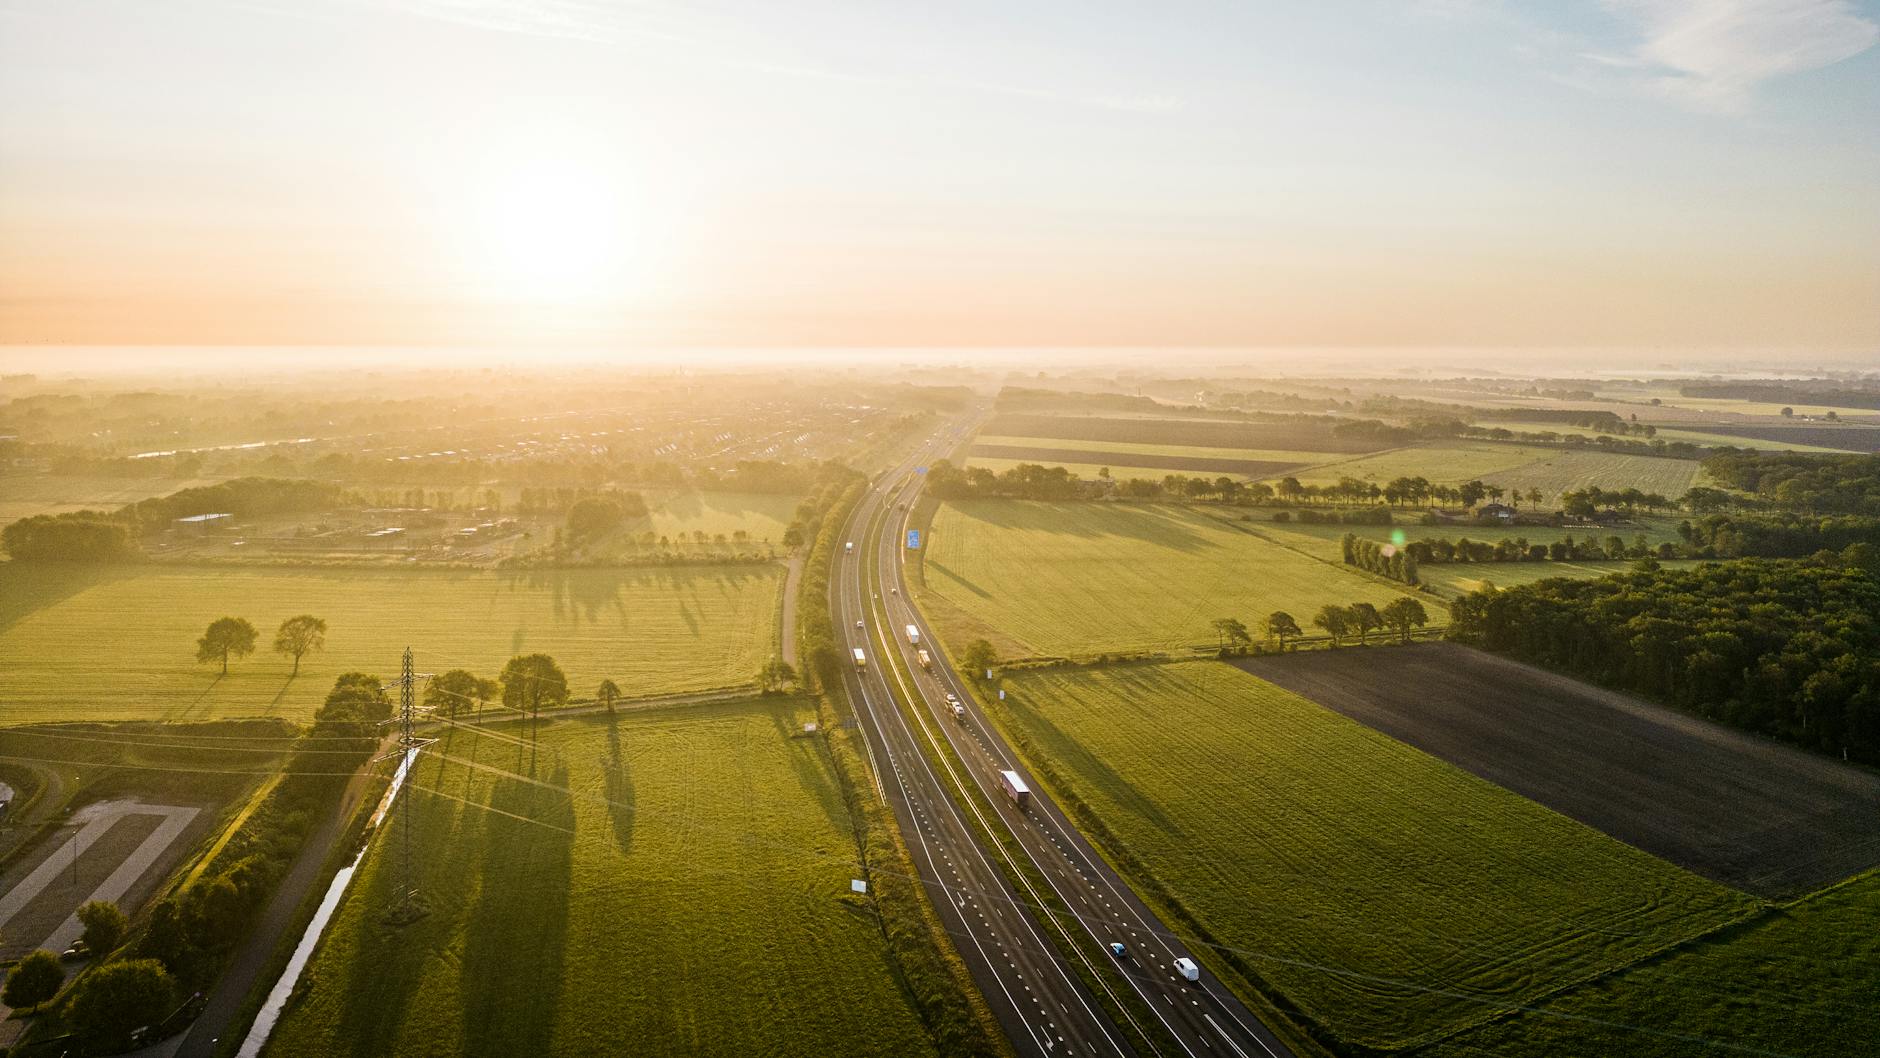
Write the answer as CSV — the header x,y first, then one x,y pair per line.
x,y
1187,968
1117,949
859,624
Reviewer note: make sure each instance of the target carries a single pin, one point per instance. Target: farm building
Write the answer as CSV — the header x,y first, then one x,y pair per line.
x,y
202,523
1499,512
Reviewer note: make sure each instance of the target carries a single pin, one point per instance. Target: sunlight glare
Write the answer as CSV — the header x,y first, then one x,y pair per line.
x,y
551,230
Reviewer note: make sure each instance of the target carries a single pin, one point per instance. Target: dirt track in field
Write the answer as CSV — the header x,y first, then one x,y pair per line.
x,y
1768,819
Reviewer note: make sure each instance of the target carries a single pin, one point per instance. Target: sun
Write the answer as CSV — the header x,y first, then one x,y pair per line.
x,y
555,231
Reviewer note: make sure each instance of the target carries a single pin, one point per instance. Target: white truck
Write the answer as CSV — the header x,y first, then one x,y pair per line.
x,y
861,659
913,636
1015,788
925,659
849,548
957,708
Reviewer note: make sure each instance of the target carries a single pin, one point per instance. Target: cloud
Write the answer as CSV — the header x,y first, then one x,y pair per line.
x,y
1714,54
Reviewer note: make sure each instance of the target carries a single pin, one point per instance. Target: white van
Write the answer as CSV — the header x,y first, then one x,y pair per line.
x,y
1188,969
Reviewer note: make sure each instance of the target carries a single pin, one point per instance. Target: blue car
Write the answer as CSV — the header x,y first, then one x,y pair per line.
x,y
1117,949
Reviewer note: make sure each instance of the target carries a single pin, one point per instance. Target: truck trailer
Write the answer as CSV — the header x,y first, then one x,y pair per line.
x,y
1015,788
913,636
926,659
861,659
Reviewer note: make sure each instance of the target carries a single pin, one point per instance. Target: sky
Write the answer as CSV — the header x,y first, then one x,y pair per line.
x,y
1614,174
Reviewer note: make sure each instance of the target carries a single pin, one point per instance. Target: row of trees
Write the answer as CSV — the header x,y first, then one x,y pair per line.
x,y
234,637
1518,549
1339,622
139,980
1399,564
1789,649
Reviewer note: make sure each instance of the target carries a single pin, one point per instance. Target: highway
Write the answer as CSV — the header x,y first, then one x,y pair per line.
x,y
1043,1006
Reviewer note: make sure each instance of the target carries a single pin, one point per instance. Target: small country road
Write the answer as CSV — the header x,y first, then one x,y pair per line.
x,y
231,991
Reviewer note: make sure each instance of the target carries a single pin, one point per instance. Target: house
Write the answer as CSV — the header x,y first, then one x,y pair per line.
x,y
1496,512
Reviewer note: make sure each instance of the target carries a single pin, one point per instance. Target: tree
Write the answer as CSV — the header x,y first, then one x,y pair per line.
x,y
1336,621
776,676
1534,497
978,658
118,998
227,636
1231,633
104,926
607,694
298,635
1788,413
34,980
455,691
531,680
164,937
1400,614
1280,625
1364,617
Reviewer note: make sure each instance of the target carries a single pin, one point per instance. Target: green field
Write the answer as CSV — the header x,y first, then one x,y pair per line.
x,y
1559,471
1087,471
1391,897
1697,437
24,495
1139,448
1799,981
119,643
763,515
1441,462
689,897
1083,578
1459,578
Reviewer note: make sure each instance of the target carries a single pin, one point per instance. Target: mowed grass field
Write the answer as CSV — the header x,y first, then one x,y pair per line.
x,y
1800,980
1559,471
1084,578
1441,462
1389,896
120,643
669,882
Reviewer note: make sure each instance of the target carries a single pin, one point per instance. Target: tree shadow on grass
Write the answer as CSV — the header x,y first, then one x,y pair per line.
x,y
621,807
388,965
29,587
516,936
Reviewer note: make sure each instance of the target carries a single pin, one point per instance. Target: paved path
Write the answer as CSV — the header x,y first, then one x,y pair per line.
x,y
230,991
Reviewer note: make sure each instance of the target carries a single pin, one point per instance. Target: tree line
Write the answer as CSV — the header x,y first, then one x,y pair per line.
x,y
141,977
1801,482
1399,615
1399,564
1518,549
1785,648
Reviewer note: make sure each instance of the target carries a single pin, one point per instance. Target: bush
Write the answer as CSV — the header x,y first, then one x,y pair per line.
x,y
104,926
118,998
34,980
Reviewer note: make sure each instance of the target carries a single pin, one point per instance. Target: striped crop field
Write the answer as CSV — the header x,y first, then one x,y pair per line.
x,y
581,893
1440,462
1084,578
1390,897
1557,472
120,642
